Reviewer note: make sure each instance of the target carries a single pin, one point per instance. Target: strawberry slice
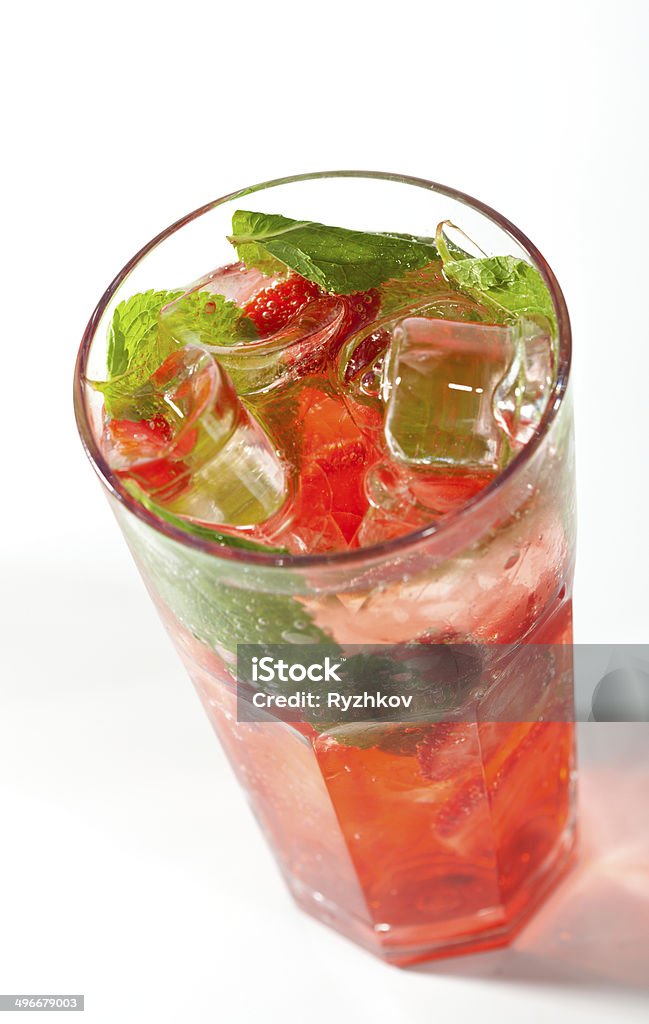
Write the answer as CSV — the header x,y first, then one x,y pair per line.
x,y
161,428
331,439
138,440
135,441
163,479
345,466
148,455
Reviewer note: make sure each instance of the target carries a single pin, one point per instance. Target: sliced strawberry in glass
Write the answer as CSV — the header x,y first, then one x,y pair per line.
x,y
163,479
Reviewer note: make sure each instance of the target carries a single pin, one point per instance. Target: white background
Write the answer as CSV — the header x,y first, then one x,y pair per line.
x,y
130,868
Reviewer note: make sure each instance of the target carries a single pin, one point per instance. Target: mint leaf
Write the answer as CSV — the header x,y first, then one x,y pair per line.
x,y
337,259
134,321
140,339
207,318
135,349
415,287
196,529
511,286
199,590
202,594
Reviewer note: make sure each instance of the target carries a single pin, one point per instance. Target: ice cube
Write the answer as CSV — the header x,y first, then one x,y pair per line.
x,y
393,508
359,367
522,396
295,352
464,396
358,374
402,499
201,456
236,282
256,365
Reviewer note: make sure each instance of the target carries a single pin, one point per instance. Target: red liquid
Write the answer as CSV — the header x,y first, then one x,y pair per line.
x,y
411,860
446,842
332,452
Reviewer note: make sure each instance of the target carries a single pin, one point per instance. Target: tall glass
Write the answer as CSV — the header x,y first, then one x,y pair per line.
x,y
410,862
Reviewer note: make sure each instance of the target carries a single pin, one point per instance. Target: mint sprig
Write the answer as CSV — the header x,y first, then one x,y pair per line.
x,y
512,287
339,260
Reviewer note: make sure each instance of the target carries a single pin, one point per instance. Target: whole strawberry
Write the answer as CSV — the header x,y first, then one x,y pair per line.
x,y
272,309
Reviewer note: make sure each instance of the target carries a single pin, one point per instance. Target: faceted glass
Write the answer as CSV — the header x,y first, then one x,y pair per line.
x,y
414,850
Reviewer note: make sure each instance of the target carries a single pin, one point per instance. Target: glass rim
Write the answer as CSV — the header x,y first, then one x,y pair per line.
x,y
397,545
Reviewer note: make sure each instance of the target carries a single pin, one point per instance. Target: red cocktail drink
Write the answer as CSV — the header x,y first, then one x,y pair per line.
x,y
361,438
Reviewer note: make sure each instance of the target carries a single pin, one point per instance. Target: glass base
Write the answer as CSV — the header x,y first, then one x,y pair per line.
x,y
490,929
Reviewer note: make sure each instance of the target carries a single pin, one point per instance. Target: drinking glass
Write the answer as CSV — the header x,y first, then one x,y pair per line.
x,y
432,844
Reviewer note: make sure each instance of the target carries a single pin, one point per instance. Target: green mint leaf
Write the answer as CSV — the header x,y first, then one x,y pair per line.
x,y
140,339
415,287
511,286
337,259
135,349
207,318
509,283
224,605
135,320
196,529
201,592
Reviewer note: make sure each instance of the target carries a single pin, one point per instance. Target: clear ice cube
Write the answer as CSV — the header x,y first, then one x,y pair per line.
x,y
402,499
359,368
258,365
292,354
201,456
236,282
522,396
464,396
358,374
